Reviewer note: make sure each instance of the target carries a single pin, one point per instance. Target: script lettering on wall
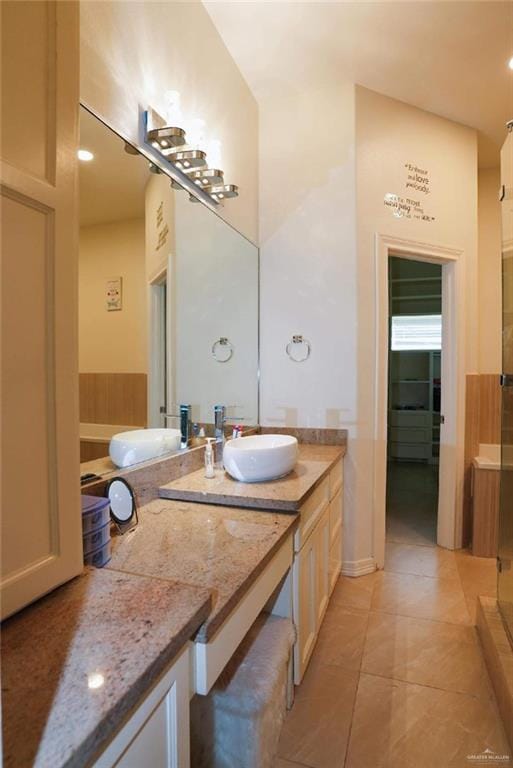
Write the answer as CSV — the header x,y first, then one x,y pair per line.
x,y
417,187
162,231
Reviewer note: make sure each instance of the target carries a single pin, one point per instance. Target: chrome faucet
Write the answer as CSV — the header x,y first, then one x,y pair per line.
x,y
219,422
185,417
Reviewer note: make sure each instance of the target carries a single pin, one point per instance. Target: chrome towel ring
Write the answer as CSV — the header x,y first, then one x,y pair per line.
x,y
293,349
222,350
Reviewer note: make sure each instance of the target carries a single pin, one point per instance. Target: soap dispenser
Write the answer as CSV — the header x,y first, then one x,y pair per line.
x,y
209,459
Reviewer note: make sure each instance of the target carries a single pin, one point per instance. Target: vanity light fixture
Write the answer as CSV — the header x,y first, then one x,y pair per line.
x,y
85,155
206,177
223,191
170,141
187,159
166,137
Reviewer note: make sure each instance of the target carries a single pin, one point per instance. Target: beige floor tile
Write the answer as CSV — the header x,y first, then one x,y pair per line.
x,y
478,574
316,729
342,637
420,596
433,653
401,725
354,592
471,601
421,561
404,530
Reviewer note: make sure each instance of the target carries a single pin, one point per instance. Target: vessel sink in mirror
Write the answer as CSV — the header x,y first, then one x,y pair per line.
x,y
168,303
128,448
258,458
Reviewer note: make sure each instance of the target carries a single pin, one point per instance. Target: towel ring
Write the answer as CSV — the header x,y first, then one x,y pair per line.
x,y
216,348
298,339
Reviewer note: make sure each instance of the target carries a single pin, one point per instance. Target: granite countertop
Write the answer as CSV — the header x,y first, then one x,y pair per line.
x,y
219,548
286,494
76,662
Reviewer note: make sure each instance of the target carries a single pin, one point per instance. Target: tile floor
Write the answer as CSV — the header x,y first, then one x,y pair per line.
x,y
397,678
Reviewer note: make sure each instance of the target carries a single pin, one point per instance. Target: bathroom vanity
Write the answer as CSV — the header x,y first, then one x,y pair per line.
x,y
313,491
133,642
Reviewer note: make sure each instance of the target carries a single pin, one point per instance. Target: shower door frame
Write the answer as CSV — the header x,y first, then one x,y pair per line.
x,y
452,447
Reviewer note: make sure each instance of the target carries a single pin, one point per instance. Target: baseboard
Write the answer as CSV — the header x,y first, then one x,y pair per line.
x,y
358,567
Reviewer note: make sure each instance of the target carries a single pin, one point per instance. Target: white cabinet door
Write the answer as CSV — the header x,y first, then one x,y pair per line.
x,y
335,559
305,574
322,534
157,734
41,521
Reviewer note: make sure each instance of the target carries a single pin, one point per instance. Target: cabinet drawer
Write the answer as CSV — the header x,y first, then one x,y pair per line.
x,y
410,450
335,515
410,434
410,418
311,512
335,560
336,477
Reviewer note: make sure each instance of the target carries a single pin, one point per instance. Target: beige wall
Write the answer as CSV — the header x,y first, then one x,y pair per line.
x,y
321,208
389,135
489,272
112,342
133,52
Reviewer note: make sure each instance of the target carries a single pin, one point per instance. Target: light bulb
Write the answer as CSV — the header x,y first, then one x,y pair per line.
x,y
85,155
510,63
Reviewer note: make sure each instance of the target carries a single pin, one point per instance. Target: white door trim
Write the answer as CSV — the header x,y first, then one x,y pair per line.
x,y
156,341
452,435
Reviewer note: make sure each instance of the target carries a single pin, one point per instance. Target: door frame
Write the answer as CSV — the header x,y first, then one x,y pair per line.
x,y
158,364
452,433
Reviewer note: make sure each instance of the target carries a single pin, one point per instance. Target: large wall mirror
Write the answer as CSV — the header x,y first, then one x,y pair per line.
x,y
168,302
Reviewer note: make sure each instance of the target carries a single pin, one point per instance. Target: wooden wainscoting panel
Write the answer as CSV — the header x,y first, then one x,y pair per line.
x,y
489,408
485,526
89,451
113,398
472,426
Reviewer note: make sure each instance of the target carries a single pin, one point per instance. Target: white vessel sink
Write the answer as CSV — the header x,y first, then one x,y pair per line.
x,y
257,458
127,448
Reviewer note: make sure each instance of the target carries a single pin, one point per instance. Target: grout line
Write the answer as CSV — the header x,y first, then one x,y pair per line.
x,y
426,685
353,708
425,618
421,618
424,575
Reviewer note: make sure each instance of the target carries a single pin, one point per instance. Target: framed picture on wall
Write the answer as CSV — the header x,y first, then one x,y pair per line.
x,y
114,294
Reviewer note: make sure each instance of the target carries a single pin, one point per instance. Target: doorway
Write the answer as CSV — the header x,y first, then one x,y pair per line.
x,y
414,400
452,430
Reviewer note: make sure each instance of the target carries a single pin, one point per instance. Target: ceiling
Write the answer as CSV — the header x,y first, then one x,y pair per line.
x,y
449,58
112,185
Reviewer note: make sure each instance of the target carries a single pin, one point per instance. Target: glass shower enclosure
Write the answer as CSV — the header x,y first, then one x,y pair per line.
x,y
505,548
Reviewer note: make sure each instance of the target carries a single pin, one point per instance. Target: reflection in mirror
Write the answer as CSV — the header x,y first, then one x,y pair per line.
x,y
168,304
